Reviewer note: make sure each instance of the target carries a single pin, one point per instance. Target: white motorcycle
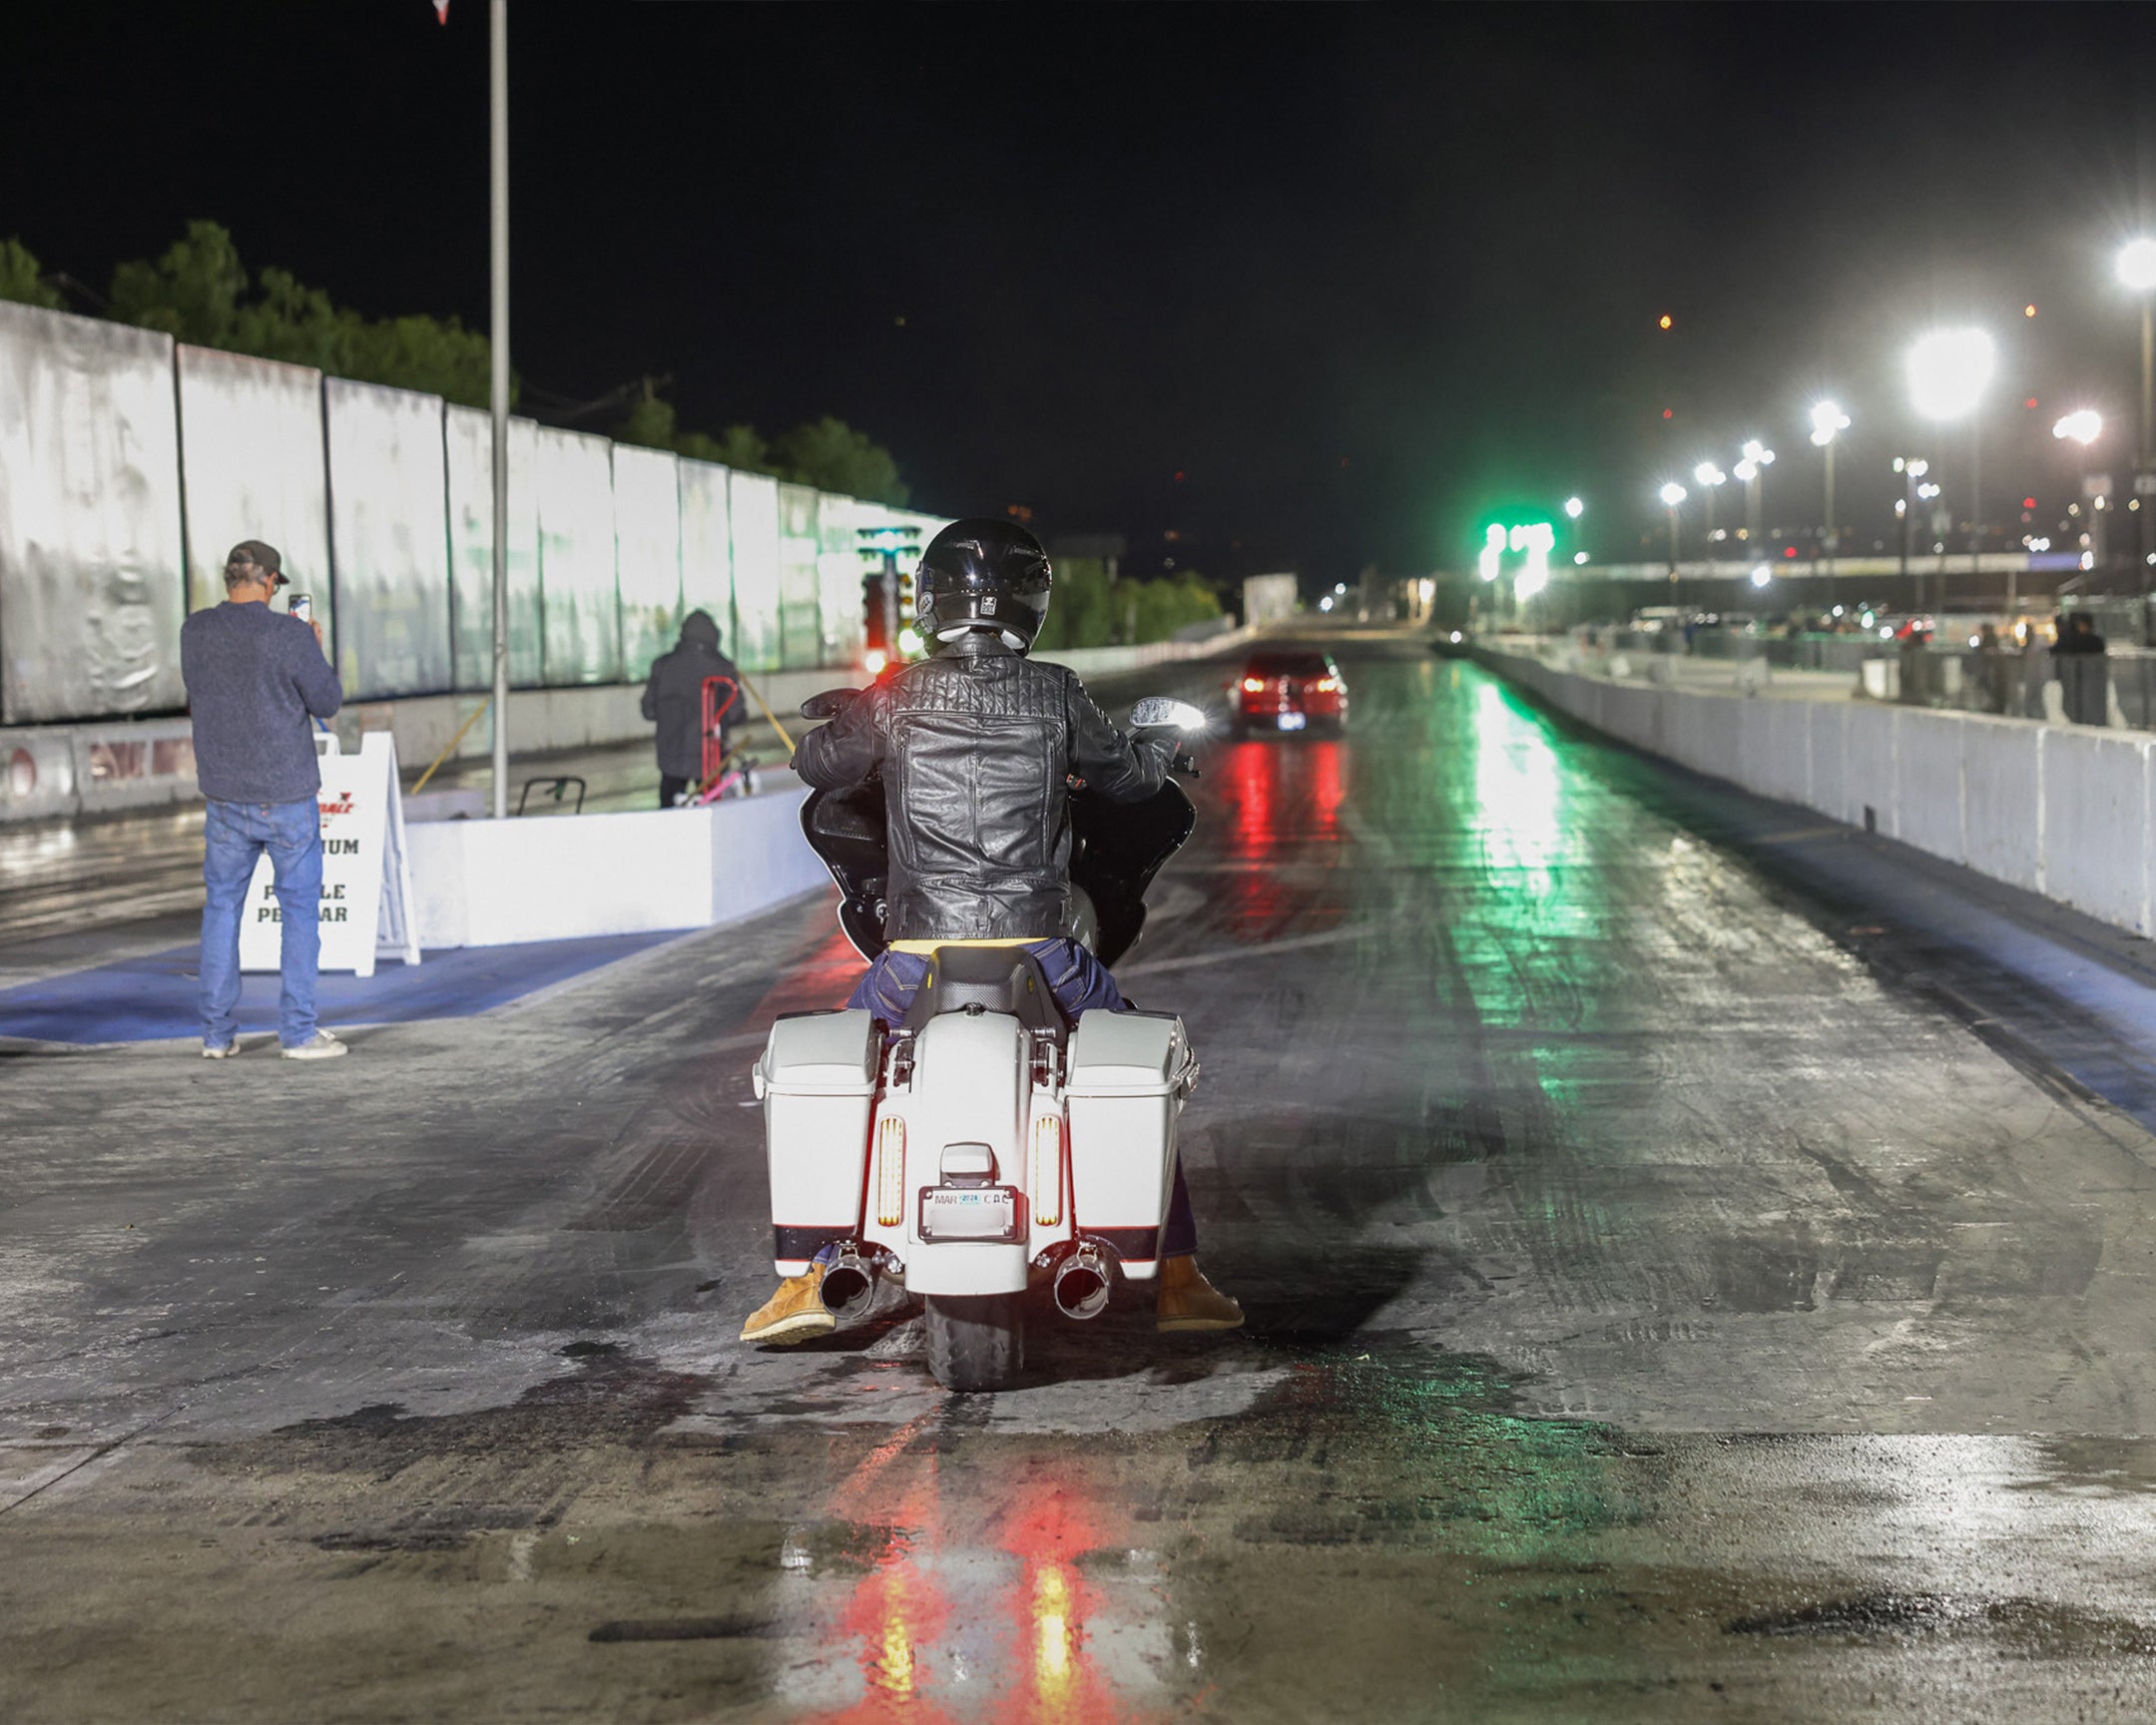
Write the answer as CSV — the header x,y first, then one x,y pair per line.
x,y
987,1141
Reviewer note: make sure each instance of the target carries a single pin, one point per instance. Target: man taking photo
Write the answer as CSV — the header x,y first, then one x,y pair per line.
x,y
255,678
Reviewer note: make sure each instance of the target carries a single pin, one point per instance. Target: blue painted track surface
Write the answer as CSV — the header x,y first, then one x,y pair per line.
x,y
151,998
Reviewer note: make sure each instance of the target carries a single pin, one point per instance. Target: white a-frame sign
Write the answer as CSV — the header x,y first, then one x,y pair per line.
x,y
366,895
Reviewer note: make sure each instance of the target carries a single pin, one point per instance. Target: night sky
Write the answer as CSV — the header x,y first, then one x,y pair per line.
x,y
1306,285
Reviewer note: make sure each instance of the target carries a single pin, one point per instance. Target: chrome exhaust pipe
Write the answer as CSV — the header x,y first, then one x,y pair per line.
x,y
1082,1284
848,1285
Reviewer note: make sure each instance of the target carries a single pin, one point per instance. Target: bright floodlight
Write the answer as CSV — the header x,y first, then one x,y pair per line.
x,y
2137,264
1579,557
1488,561
1574,508
1746,470
1947,371
1707,473
1762,575
1827,419
2083,426
1673,494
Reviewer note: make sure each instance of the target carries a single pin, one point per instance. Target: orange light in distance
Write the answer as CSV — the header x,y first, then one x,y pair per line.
x,y
1664,322
1254,685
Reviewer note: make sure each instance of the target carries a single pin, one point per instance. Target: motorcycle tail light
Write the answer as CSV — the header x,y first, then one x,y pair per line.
x,y
891,1173
1048,1170
1254,685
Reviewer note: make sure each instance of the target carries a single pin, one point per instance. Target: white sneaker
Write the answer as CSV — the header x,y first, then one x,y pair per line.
x,y
211,1051
323,1047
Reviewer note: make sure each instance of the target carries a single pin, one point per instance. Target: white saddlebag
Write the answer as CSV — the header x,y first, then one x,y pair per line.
x,y
817,1083
1129,1075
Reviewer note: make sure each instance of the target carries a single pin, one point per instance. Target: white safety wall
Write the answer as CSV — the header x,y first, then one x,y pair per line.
x,y
578,600
127,468
840,568
2064,810
91,565
251,467
388,539
707,547
470,437
754,500
800,634
647,555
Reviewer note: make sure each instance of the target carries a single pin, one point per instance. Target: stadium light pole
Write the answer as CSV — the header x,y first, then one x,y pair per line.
x,y
1912,468
498,393
1709,477
1949,372
2083,426
2137,271
1828,420
1672,495
1753,472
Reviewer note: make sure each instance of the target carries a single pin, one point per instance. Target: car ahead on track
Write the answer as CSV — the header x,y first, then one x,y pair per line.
x,y
1288,689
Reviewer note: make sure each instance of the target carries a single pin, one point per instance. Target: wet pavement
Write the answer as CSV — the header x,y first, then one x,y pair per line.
x,y
1667,1301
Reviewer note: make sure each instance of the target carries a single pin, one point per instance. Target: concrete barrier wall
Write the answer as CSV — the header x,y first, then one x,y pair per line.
x,y
501,882
60,770
2059,810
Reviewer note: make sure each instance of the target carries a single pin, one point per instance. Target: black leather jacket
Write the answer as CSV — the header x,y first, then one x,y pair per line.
x,y
974,745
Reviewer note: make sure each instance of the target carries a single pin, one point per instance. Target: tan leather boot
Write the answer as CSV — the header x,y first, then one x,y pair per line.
x,y
793,1314
1187,1301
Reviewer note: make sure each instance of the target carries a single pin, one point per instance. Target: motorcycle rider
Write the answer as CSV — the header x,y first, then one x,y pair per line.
x,y
977,744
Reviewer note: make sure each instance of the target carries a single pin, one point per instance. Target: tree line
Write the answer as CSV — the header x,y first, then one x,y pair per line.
x,y
1092,606
199,291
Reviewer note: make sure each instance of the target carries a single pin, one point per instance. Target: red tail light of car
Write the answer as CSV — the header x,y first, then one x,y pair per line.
x,y
1254,685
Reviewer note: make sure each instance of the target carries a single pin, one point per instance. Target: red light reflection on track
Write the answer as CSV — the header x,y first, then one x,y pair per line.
x,y
822,976
1054,1603
955,1623
1283,809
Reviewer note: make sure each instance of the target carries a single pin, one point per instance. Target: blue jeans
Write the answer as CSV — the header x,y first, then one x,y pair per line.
x,y
234,834
1081,983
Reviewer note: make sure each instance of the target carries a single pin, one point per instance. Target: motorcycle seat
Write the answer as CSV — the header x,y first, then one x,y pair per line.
x,y
987,979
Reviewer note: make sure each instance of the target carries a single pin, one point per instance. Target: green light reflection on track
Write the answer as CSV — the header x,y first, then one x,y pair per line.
x,y
1519,796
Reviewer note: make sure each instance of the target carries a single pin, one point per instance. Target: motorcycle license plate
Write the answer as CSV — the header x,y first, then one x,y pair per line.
x,y
970,1213
1292,721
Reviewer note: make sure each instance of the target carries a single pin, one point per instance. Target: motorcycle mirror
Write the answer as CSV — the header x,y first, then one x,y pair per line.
x,y
827,705
1165,709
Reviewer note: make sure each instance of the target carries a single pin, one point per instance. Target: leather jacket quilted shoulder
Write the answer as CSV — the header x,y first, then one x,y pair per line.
x,y
976,746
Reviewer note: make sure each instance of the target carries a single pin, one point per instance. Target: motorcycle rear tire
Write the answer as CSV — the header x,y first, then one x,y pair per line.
x,y
976,1343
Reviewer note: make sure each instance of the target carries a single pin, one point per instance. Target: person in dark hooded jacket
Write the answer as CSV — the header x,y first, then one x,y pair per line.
x,y
674,700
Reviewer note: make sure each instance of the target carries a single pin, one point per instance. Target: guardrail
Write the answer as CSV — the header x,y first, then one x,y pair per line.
x,y
2117,688
2059,810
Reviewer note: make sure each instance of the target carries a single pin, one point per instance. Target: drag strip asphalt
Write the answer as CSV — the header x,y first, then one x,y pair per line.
x,y
1666,1300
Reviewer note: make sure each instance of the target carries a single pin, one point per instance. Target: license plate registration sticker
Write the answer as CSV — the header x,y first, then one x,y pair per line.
x,y
968,1213
1292,720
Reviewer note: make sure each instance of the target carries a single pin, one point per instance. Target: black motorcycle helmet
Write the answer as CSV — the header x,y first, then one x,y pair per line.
x,y
981,573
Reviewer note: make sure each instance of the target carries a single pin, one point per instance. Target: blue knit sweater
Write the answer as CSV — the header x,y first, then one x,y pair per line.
x,y
254,676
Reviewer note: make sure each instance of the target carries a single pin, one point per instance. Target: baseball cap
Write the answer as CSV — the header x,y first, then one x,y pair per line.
x,y
263,556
